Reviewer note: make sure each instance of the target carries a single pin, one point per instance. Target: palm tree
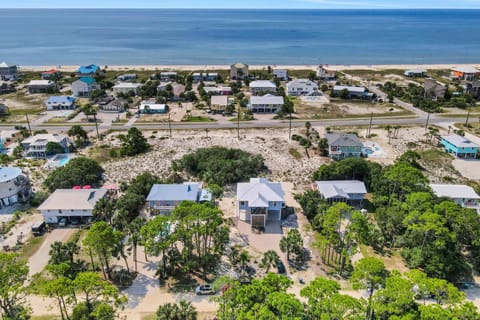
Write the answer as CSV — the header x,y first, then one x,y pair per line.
x,y
182,311
56,252
71,249
104,210
291,243
269,260
243,259
133,232
187,311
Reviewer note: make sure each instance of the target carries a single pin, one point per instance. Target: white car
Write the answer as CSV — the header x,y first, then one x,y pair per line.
x,y
62,222
204,289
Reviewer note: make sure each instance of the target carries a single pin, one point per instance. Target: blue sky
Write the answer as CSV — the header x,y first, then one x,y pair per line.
x,y
268,4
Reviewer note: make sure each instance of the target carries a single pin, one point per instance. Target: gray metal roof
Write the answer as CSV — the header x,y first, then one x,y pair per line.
x,y
266,99
350,89
459,141
343,140
262,84
340,188
454,191
174,192
9,173
71,199
259,191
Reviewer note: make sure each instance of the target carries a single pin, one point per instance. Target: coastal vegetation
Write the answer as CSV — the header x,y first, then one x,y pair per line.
x,y
77,172
220,165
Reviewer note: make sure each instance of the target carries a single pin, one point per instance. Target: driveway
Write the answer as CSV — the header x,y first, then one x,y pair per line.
x,y
39,260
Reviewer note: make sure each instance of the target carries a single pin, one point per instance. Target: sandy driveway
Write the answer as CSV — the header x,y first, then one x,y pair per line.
x,y
39,260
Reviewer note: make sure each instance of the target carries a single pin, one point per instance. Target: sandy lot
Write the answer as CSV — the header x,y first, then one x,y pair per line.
x,y
272,144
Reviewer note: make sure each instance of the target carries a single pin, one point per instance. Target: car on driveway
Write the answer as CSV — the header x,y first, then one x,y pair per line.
x,y
62,222
204,289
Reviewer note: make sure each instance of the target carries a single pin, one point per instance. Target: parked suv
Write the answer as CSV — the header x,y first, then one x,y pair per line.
x,y
204,289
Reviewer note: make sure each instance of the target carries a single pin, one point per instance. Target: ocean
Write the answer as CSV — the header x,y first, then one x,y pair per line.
x,y
189,36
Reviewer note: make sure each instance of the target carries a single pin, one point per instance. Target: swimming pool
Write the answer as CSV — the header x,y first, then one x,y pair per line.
x,y
59,160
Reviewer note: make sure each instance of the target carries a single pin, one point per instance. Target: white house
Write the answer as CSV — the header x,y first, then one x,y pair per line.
x,y
302,87
198,76
262,86
127,77
259,201
35,146
265,104
14,186
150,108
84,87
281,74
8,71
168,76
415,73
461,194
219,103
40,86
60,103
70,203
221,91
352,191
126,88
323,73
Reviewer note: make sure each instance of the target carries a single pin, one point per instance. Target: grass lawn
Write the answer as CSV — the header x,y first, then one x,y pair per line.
x,y
31,246
198,119
473,128
392,259
46,318
103,153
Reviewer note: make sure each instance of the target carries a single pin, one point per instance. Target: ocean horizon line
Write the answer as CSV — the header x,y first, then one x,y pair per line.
x,y
255,9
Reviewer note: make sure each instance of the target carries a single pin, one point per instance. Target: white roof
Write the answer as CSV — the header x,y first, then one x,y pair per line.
x,y
416,71
4,65
266,99
127,85
349,88
262,84
454,191
340,188
71,199
219,100
459,141
45,136
259,191
153,106
302,83
40,83
9,173
466,69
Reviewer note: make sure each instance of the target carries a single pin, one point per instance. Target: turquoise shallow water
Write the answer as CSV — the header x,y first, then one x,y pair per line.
x,y
157,36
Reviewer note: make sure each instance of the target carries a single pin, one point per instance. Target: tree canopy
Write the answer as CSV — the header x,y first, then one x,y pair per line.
x,y
133,143
221,166
78,171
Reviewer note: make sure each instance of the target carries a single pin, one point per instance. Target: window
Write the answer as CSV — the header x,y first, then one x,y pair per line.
x,y
59,211
242,203
274,204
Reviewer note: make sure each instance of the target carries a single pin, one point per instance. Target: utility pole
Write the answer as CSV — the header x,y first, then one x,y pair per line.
x,y
238,123
96,125
290,127
428,120
169,126
468,116
28,123
369,131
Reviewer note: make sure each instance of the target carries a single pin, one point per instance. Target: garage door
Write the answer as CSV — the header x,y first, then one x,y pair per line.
x,y
273,215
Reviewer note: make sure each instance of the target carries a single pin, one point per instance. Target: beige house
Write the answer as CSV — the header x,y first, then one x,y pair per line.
x,y
218,103
238,71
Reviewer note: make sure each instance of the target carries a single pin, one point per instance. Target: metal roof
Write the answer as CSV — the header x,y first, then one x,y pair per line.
x,y
174,192
127,85
219,100
266,99
60,99
262,84
454,191
71,199
88,69
259,191
87,80
40,83
466,69
9,173
343,139
459,141
350,89
340,188
45,137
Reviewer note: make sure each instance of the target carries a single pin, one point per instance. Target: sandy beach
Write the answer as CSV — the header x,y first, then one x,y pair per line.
x,y
72,68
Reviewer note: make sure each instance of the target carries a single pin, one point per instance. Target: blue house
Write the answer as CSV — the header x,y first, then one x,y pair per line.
x,y
90,70
163,198
460,146
60,103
